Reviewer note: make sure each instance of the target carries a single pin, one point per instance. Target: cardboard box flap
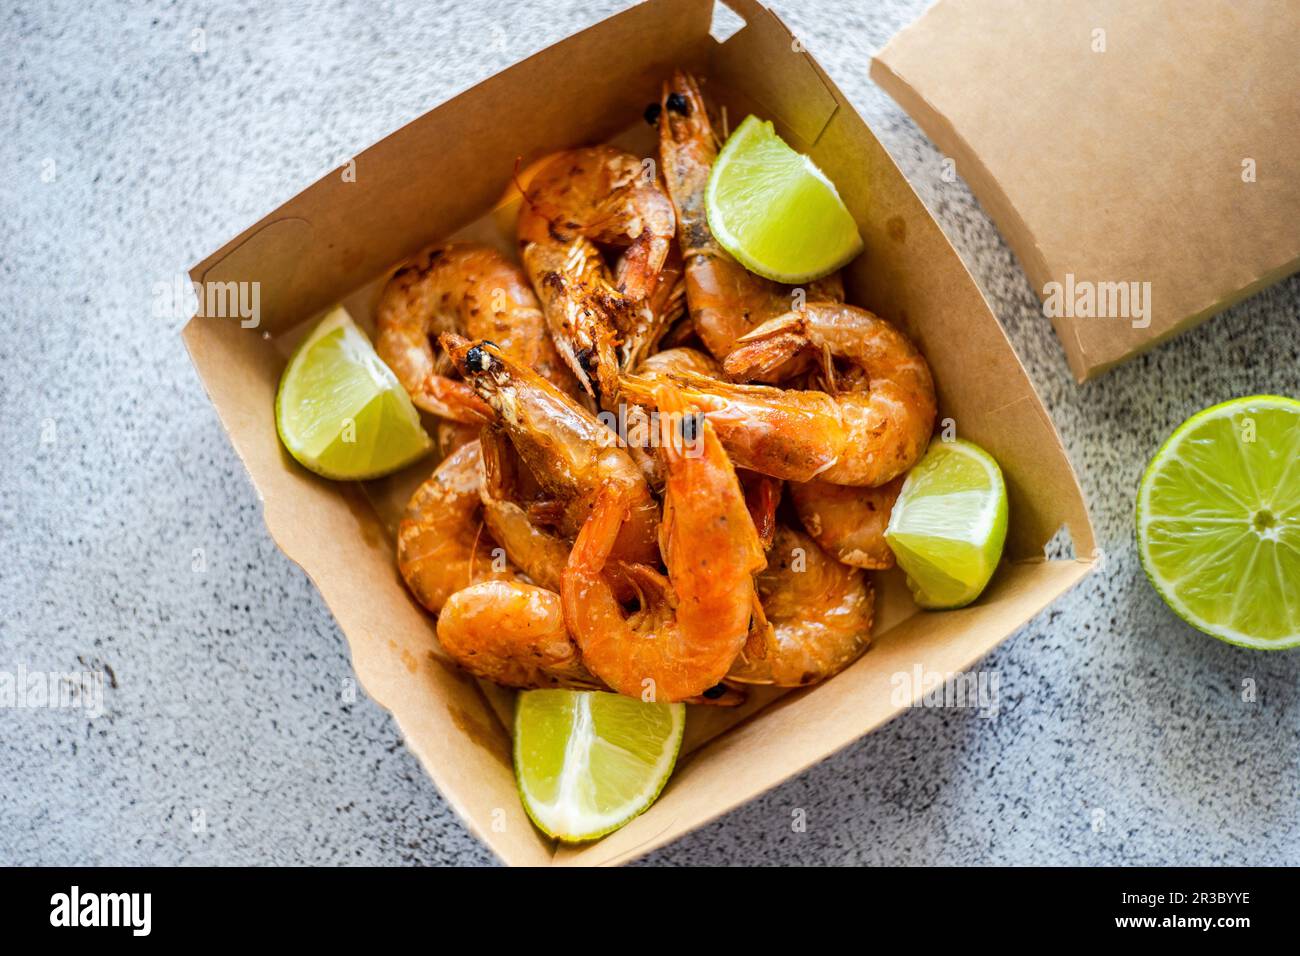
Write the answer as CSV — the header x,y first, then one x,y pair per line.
x,y
1118,143
802,97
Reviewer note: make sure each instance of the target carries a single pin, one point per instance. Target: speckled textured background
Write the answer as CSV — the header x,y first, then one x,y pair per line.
x,y
1122,736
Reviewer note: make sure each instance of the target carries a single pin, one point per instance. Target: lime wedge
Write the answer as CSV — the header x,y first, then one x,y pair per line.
x,y
587,762
340,411
949,523
775,211
1218,521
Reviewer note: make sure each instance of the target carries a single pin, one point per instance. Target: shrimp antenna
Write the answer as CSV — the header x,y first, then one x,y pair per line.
x,y
514,178
473,554
828,369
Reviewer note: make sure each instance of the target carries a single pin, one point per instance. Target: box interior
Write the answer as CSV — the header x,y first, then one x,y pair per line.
x,y
339,240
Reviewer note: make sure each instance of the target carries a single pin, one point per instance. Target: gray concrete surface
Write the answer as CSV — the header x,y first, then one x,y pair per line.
x,y
1122,736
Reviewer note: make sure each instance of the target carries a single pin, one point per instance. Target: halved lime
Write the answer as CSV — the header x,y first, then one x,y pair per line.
x,y
340,411
1218,521
775,211
587,762
949,524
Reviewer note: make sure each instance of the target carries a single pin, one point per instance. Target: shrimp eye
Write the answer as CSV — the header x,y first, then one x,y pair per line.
x,y
716,691
652,112
479,359
676,103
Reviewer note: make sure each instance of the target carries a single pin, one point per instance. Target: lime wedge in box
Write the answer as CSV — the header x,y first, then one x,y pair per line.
x,y
775,211
340,411
949,524
587,763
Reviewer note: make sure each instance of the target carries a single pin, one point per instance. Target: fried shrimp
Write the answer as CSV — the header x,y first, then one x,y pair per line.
x,y
814,617
566,448
609,196
622,415
578,198
875,426
464,288
440,544
785,433
885,397
848,522
725,299
578,301
513,634
690,625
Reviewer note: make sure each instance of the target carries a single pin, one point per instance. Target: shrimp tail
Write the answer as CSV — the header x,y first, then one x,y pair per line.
x,y
584,598
641,265
595,542
762,496
767,347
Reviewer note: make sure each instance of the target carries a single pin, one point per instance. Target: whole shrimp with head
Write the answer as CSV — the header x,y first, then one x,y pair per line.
x,y
690,625
725,299
573,456
513,634
579,198
871,423
464,288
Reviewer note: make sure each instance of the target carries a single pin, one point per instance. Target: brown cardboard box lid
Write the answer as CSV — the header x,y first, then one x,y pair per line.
x,y
1119,142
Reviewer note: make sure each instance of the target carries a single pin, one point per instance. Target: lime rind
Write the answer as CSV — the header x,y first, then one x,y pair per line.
x,y
599,782
808,212
350,389
1210,483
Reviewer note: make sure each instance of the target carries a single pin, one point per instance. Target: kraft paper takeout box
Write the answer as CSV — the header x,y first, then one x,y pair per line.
x,y
339,239
1117,142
